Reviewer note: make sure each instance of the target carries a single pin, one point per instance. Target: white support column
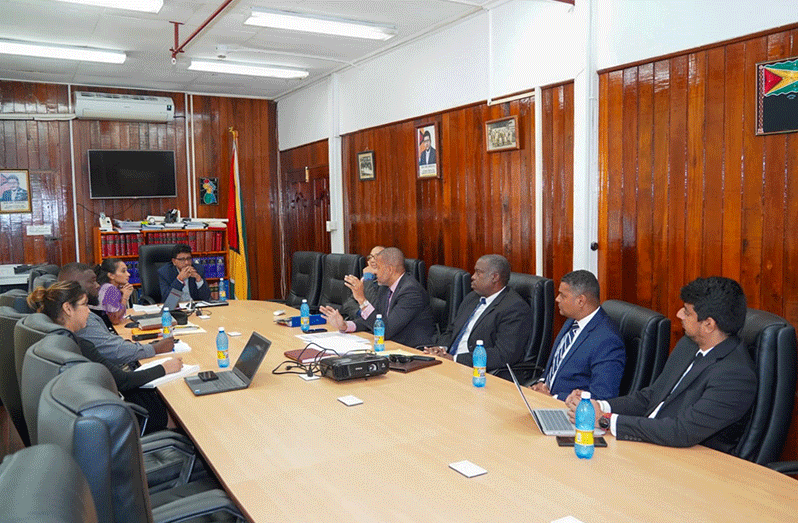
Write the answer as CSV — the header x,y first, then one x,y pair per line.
x,y
586,175
335,226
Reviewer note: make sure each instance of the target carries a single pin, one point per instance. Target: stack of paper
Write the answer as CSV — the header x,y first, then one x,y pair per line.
x,y
185,371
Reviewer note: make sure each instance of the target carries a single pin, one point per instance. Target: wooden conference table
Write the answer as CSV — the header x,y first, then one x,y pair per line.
x,y
287,450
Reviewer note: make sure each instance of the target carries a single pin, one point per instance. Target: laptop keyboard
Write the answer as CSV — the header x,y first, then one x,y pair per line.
x,y
228,379
554,419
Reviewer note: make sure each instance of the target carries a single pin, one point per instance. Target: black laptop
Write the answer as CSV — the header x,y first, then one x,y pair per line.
x,y
241,375
153,319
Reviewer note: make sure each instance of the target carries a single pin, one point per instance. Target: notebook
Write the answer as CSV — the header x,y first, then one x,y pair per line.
x,y
551,422
150,321
241,375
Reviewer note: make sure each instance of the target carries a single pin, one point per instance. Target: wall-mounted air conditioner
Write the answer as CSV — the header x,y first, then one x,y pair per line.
x,y
105,106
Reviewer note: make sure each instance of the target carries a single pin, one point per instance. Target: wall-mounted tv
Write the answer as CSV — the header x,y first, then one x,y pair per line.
x,y
131,174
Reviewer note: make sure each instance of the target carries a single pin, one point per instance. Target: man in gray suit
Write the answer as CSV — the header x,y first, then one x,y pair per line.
x,y
708,383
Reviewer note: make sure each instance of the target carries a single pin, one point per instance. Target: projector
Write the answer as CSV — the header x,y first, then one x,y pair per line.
x,y
360,365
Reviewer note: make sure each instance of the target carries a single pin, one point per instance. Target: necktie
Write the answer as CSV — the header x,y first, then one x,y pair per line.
x,y
560,354
453,348
696,360
390,294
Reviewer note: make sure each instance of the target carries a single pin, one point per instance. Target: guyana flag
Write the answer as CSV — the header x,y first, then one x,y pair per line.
x,y
777,91
236,231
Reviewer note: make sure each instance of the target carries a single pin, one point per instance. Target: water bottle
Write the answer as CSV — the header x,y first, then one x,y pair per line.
x,y
166,323
367,276
304,313
222,290
379,334
222,356
480,360
585,418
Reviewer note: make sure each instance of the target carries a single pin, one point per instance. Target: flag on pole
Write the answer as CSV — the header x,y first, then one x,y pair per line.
x,y
236,231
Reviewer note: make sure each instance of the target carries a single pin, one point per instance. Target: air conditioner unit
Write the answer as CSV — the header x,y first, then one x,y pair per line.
x,y
105,106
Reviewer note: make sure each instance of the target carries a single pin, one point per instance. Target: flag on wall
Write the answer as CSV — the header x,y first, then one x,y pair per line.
x,y
236,231
777,96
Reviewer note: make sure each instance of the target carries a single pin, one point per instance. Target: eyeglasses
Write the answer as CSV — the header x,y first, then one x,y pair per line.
x,y
184,259
400,358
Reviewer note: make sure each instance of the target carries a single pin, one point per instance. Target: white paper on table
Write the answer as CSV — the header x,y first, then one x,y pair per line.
x,y
188,328
340,342
146,309
185,371
182,346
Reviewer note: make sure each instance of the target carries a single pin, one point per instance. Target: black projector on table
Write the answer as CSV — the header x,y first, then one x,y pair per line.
x,y
350,366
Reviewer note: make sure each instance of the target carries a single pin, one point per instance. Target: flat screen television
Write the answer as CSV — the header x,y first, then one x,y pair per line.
x,y
131,174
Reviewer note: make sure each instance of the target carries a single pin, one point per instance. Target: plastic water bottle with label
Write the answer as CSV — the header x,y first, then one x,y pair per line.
x,y
222,356
166,323
480,360
379,334
304,316
585,419
222,290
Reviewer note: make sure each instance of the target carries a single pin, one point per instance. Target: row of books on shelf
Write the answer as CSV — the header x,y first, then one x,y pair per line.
x,y
127,244
212,265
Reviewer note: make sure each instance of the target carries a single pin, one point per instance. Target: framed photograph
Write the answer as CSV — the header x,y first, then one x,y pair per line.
x,y
209,191
502,134
777,96
14,191
365,165
428,157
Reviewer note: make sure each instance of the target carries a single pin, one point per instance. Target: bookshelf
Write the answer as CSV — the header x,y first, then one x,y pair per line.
x,y
208,246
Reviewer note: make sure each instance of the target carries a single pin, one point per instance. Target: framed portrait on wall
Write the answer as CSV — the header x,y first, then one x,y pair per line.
x,y
502,134
209,191
14,191
365,165
777,96
428,159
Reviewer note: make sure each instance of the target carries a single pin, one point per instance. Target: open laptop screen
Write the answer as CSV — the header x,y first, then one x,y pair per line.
x,y
252,355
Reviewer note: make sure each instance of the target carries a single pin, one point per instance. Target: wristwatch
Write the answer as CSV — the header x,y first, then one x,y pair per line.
x,y
364,304
604,421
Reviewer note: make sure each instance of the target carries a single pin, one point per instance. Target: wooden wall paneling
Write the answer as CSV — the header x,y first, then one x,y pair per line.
x,y
610,253
660,171
712,248
735,93
644,244
626,273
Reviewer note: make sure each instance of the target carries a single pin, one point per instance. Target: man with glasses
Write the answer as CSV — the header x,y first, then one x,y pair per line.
x,y
351,308
184,276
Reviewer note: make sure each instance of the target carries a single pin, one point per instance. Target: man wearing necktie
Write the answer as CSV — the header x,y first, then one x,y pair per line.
x,y
493,313
708,383
588,353
402,301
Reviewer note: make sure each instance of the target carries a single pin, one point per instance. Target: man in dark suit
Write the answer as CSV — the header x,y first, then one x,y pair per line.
x,y
351,308
402,301
708,383
184,276
589,352
492,313
428,154
14,194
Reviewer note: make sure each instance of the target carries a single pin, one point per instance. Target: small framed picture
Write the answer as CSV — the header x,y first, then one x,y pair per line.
x,y
502,134
365,165
14,191
428,156
777,96
209,191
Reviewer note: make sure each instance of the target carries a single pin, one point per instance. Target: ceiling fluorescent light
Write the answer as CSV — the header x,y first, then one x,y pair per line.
x,y
270,71
84,54
319,24
147,6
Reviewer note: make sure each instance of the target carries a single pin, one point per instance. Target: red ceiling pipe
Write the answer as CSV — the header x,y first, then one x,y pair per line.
x,y
178,48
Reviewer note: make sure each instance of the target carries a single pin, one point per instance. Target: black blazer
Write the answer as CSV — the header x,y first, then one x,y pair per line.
x,y
504,328
167,279
409,320
712,397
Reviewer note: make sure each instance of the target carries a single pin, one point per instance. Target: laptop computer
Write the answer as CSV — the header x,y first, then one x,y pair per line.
x,y
147,320
551,422
241,375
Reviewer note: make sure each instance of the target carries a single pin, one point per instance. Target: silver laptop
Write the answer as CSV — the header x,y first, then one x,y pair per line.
x,y
152,320
551,422
241,375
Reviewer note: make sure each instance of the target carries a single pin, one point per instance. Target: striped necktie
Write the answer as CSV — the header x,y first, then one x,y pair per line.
x,y
560,354
453,348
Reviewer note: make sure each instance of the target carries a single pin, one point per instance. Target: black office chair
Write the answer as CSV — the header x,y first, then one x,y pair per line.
x,y
40,270
9,384
44,280
81,412
539,293
446,287
306,270
417,269
647,337
333,291
44,484
772,345
152,258
30,329
17,299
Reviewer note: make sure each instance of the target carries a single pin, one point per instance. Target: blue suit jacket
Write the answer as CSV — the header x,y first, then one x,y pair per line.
x,y
595,361
167,278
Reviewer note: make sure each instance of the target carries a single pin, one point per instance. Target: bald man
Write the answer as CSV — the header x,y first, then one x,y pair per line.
x,y
351,308
402,301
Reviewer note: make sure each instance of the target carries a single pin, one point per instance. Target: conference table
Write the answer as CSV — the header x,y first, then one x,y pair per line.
x,y
286,450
